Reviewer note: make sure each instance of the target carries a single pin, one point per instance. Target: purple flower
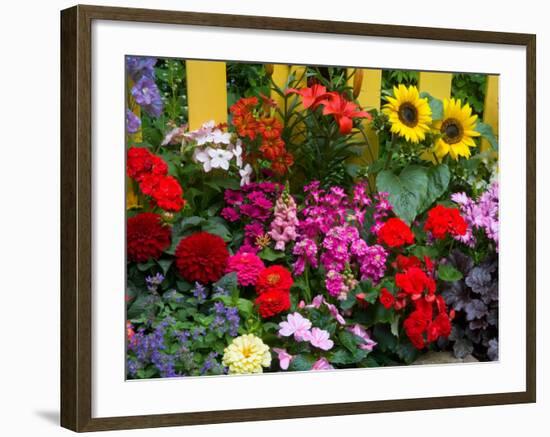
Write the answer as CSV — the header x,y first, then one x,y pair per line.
x,y
140,66
154,281
133,122
147,95
226,320
199,292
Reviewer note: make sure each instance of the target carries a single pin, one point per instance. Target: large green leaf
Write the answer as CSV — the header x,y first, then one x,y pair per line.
x,y
301,363
407,192
436,105
448,273
438,182
486,132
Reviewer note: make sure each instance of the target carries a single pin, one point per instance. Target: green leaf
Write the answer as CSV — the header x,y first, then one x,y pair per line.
x,y
227,282
486,132
139,306
344,357
383,335
165,264
436,105
215,227
407,192
190,222
407,352
422,251
143,267
448,273
268,254
438,182
301,363
245,307
348,340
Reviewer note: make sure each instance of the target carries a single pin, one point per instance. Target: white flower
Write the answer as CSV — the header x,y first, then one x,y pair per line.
x,y
220,158
238,152
220,137
203,156
245,173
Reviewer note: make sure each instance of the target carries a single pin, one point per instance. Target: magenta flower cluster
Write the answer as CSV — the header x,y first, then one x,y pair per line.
x,y
253,203
480,215
330,233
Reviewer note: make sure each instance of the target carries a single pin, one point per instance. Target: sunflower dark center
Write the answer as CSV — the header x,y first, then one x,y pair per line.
x,y
408,114
452,131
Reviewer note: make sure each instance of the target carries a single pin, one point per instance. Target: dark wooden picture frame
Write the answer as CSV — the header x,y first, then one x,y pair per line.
x,y
76,217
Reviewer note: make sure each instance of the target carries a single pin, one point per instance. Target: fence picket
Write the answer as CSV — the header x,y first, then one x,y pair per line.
x,y
206,92
490,109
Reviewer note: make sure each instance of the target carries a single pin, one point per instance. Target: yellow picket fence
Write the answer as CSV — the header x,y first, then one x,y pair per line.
x,y
207,93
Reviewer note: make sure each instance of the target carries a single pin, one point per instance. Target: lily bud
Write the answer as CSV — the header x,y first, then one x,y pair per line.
x,y
269,68
357,82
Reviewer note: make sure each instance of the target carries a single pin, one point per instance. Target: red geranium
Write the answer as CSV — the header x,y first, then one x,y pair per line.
x,y
273,302
201,257
167,194
439,327
403,262
343,111
415,281
443,221
274,278
146,237
386,298
141,162
395,233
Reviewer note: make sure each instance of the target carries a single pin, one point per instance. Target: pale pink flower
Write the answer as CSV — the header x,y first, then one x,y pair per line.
x,y
322,364
284,357
296,325
320,338
316,302
360,331
335,313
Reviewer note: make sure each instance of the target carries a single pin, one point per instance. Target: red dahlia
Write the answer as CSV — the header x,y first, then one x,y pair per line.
x,y
146,237
274,278
201,257
443,221
273,302
395,233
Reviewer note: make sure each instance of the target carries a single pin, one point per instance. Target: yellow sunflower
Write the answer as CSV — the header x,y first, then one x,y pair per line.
x,y
457,129
410,116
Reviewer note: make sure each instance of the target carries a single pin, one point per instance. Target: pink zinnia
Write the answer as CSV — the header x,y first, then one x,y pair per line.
x,y
248,267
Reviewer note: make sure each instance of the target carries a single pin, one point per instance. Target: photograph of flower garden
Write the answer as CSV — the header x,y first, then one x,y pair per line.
x,y
305,218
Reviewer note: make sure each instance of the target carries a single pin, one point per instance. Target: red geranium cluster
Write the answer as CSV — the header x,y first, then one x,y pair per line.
x,y
146,237
273,288
443,221
201,257
335,104
151,172
429,319
395,233
261,124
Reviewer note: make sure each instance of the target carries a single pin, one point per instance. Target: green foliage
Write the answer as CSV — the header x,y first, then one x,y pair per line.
x,y
446,272
244,80
471,89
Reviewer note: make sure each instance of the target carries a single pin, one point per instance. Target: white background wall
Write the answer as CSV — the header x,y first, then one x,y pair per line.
x,y
29,187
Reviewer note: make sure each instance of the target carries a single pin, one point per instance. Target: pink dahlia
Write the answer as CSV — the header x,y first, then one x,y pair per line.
x,y
248,267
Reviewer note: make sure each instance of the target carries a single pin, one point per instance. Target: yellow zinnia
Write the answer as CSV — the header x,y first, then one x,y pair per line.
x,y
410,116
457,129
246,354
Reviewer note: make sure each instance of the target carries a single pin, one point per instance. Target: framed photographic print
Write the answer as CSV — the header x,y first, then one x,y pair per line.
x,y
267,218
